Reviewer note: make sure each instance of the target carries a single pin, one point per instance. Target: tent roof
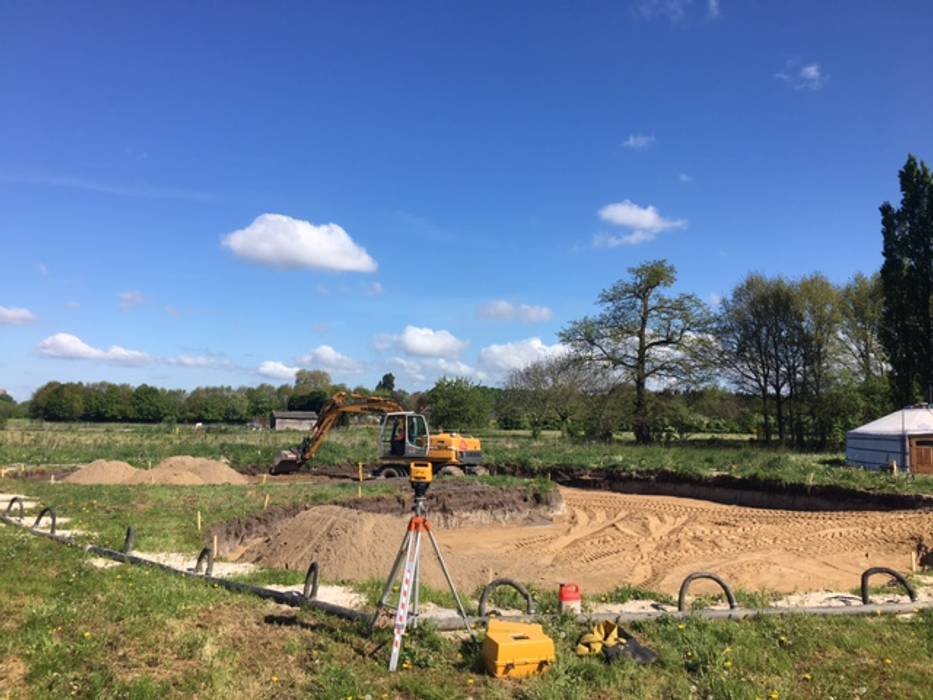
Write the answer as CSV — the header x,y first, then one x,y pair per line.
x,y
914,419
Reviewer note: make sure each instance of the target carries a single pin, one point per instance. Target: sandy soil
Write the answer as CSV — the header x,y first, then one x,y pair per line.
x,y
605,540
174,471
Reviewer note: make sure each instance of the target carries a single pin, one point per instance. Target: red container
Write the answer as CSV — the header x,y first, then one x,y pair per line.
x,y
571,599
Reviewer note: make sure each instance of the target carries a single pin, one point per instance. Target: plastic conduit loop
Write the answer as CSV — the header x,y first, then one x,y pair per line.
x,y
685,586
493,585
312,581
207,554
866,595
129,543
19,502
46,511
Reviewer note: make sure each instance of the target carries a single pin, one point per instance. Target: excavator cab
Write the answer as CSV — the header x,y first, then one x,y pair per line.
x,y
404,435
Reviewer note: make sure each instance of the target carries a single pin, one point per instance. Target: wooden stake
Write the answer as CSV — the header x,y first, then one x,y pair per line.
x,y
52,479
359,488
215,547
264,477
913,561
199,521
265,503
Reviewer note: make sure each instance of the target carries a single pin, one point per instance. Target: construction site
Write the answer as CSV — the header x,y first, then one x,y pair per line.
x,y
628,551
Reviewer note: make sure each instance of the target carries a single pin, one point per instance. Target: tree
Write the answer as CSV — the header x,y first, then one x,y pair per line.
x,y
458,404
387,383
643,334
907,281
312,380
148,404
546,392
309,401
861,308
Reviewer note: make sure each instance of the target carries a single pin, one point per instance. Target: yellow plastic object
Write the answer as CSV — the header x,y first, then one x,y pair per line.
x,y
517,649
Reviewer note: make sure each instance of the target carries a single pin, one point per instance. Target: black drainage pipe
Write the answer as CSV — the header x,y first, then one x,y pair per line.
x,y
685,586
866,595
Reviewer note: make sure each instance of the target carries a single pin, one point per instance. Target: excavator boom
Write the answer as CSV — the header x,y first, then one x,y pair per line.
x,y
339,405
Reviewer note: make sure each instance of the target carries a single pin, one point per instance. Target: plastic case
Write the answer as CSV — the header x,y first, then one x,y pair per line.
x,y
517,649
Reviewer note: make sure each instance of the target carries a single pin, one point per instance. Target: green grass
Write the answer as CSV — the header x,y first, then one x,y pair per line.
x,y
165,517
68,629
30,443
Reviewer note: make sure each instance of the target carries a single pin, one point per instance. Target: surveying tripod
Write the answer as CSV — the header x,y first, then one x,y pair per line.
x,y
408,564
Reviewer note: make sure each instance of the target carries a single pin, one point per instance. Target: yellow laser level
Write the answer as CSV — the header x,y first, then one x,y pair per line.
x,y
422,473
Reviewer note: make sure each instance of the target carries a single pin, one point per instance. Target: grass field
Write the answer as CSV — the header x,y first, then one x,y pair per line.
x,y
68,629
30,443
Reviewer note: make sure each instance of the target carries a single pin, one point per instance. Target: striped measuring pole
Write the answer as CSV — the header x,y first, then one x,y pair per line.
x,y
404,601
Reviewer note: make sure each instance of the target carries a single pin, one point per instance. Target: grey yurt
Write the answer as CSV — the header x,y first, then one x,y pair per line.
x,y
905,437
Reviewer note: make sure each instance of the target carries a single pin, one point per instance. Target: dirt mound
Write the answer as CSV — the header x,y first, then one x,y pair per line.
x,y
102,471
174,471
209,471
607,540
165,477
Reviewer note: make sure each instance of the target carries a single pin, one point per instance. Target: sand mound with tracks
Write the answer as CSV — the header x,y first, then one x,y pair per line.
x,y
174,471
605,540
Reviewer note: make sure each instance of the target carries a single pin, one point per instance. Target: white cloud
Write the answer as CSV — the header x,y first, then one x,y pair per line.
x,y
712,8
325,357
502,310
715,300
627,213
610,240
646,223
671,9
277,370
421,342
11,316
683,177
374,289
197,361
638,142
281,241
130,300
806,77
70,347
502,359
427,371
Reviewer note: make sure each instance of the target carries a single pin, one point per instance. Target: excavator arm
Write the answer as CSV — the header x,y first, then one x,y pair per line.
x,y
339,405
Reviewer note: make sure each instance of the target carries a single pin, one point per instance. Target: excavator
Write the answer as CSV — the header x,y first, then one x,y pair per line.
x,y
403,438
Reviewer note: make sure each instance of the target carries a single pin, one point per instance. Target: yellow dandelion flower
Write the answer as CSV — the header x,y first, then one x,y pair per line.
x,y
88,635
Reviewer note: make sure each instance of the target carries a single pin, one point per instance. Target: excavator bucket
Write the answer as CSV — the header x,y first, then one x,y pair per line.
x,y
286,462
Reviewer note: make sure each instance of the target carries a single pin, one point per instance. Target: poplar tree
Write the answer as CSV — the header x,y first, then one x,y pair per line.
x,y
907,281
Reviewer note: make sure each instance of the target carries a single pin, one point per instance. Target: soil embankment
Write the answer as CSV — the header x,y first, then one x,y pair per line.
x,y
601,540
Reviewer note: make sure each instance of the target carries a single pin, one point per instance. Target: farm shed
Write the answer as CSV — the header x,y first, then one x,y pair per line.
x,y
293,420
905,436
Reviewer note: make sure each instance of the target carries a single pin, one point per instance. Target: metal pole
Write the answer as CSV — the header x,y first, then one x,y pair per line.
x,y
450,584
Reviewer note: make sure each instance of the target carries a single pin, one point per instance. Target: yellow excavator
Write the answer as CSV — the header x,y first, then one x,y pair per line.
x,y
403,438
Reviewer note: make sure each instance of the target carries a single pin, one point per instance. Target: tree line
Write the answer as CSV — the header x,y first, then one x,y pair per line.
x,y
817,358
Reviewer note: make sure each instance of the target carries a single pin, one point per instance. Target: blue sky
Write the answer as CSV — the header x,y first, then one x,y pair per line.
x,y
450,183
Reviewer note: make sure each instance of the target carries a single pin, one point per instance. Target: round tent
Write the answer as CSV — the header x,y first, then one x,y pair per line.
x,y
905,437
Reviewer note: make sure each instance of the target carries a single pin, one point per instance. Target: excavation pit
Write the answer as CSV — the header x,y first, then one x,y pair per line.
x,y
599,539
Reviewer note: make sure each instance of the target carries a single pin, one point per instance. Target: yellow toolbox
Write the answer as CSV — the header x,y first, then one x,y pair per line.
x,y
517,649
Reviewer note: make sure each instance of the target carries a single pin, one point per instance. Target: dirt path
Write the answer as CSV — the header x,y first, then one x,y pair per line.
x,y
604,540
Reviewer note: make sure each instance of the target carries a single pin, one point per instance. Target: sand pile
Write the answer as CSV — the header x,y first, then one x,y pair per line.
x,y
174,471
102,471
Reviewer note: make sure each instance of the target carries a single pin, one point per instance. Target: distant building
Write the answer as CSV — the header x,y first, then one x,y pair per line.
x,y
905,437
293,420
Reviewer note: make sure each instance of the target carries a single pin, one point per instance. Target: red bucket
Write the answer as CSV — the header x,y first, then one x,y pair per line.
x,y
571,599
